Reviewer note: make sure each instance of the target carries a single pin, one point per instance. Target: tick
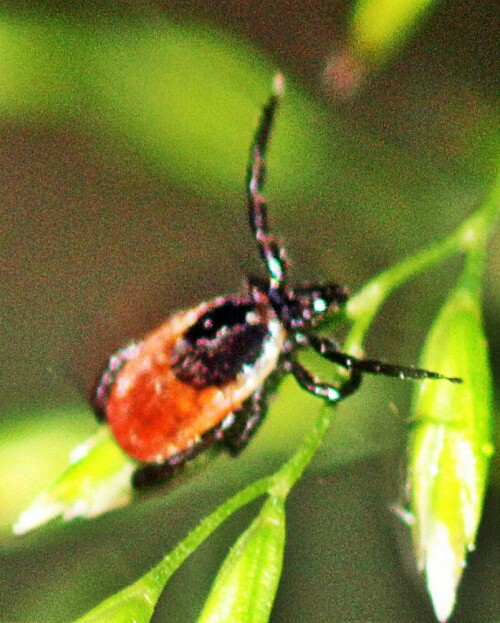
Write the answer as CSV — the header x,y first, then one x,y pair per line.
x,y
205,375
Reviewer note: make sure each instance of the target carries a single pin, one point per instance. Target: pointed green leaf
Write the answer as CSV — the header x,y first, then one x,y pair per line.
x,y
450,447
134,604
97,480
245,587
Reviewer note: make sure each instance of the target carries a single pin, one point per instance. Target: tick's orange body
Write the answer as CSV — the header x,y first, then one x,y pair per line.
x,y
154,415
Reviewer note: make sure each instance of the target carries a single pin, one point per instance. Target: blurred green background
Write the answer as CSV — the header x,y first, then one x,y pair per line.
x,y
125,132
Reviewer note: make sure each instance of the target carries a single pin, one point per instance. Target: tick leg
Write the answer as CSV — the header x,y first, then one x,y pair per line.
x,y
335,294
313,385
328,349
273,255
247,421
251,415
155,473
158,473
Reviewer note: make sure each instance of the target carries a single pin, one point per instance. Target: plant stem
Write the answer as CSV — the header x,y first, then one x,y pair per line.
x,y
285,478
166,567
363,306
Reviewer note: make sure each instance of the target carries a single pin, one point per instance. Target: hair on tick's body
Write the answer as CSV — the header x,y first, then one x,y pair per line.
x,y
204,376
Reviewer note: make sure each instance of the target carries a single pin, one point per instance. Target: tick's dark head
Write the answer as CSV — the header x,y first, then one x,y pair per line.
x,y
300,307
306,306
